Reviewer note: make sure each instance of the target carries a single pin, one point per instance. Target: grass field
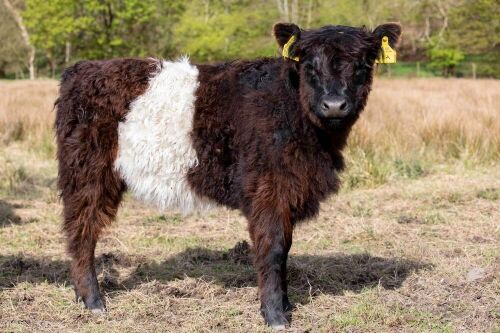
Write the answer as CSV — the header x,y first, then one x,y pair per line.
x,y
411,244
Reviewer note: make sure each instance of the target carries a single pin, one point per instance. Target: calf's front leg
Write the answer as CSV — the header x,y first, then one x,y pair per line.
x,y
271,234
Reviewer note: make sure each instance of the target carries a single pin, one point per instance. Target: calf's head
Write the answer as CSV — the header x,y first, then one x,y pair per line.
x,y
332,68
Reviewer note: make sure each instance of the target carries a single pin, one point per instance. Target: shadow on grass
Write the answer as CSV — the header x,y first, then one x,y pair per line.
x,y
309,275
15,269
7,215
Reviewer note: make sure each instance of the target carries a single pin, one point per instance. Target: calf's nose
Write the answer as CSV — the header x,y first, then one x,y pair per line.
x,y
334,107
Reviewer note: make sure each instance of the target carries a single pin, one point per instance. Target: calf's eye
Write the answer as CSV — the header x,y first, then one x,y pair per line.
x,y
311,69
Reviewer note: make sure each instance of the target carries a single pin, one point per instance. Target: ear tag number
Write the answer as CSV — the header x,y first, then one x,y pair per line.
x,y
286,49
387,54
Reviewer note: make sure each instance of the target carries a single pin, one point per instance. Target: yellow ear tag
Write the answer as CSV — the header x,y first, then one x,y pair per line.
x,y
387,54
286,49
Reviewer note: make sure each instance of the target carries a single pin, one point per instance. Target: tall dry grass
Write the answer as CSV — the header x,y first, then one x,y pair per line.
x,y
26,138
26,111
409,125
454,117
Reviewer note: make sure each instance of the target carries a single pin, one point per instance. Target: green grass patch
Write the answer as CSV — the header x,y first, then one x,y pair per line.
x,y
489,194
434,218
170,243
411,169
369,314
361,211
455,198
175,219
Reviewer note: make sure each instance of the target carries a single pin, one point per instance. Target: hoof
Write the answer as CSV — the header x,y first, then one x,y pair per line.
x,y
279,327
274,316
278,322
94,303
99,311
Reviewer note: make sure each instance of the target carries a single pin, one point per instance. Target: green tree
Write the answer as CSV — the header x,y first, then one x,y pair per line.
x,y
127,27
13,50
217,30
16,16
97,29
64,31
475,26
53,25
445,59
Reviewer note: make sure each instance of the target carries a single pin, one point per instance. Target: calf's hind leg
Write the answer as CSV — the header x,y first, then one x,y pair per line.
x,y
86,213
89,206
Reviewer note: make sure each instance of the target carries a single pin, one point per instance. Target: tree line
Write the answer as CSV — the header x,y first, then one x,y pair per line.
x,y
42,37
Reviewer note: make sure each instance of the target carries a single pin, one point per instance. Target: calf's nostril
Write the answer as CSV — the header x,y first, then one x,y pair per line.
x,y
343,106
325,106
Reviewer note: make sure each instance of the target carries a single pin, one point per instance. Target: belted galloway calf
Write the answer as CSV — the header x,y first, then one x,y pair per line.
x,y
263,136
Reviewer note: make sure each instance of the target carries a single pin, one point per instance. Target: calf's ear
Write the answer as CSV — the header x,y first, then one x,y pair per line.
x,y
284,31
391,30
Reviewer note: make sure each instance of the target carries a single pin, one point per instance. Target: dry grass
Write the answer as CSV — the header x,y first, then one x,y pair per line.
x,y
449,118
413,127
26,110
411,247
409,128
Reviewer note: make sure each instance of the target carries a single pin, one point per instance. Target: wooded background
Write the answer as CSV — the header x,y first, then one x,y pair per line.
x,y
40,37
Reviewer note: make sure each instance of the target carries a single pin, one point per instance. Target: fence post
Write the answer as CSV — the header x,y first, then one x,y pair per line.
x,y
474,70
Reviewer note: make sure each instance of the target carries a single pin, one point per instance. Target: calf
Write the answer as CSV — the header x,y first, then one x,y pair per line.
x,y
263,136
